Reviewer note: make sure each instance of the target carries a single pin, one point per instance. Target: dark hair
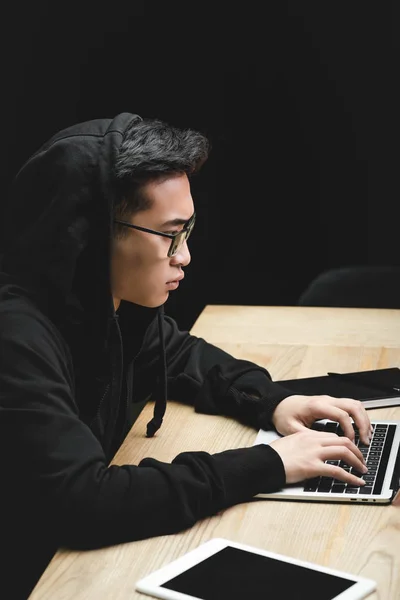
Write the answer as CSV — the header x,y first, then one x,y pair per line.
x,y
152,150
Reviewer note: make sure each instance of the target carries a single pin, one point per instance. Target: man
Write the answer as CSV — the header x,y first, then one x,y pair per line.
x,y
96,239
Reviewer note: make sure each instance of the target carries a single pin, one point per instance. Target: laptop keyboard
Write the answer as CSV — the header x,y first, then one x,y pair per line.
x,y
375,455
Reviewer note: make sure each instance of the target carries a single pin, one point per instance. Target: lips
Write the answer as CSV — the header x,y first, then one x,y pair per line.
x,y
177,280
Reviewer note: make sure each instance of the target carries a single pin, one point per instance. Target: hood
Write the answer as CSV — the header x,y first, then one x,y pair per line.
x,y
58,224
57,239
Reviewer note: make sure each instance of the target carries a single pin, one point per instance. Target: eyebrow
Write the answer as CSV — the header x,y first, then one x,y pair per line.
x,y
174,222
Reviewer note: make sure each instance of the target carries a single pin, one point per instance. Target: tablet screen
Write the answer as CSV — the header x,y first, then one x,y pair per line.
x,y
225,574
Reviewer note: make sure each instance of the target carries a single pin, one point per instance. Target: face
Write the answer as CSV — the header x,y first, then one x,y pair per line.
x,y
141,271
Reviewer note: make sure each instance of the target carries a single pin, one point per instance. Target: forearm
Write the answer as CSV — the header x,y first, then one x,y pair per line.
x,y
159,498
214,382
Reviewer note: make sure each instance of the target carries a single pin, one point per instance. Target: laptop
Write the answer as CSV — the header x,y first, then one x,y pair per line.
x,y
382,457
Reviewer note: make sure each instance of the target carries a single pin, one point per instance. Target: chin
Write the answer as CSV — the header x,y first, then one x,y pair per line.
x,y
162,300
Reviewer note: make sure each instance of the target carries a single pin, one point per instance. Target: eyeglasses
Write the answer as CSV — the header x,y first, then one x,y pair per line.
x,y
177,239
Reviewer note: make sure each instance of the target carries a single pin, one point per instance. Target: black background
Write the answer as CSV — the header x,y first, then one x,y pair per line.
x,y
300,100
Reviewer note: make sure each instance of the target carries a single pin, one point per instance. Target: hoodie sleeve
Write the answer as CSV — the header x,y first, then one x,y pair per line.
x,y
215,382
56,463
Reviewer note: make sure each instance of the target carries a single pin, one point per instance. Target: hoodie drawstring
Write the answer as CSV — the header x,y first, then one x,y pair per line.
x,y
161,399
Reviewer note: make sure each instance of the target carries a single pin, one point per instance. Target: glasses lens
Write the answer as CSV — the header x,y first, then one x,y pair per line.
x,y
179,240
190,226
176,243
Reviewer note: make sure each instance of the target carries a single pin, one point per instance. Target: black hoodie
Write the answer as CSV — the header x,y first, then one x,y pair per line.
x,y
74,375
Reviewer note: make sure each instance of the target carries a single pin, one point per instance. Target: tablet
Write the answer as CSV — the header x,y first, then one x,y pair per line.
x,y
224,570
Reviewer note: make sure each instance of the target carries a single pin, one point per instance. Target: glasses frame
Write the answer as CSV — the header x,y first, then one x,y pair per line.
x,y
176,238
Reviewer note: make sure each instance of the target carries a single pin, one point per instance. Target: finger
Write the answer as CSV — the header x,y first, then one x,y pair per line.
x,y
356,410
346,424
361,419
351,457
338,473
339,414
332,439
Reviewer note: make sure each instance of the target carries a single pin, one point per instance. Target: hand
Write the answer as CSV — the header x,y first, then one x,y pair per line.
x,y
295,413
304,454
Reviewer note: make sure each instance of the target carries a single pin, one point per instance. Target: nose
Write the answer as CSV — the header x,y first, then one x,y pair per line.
x,y
182,257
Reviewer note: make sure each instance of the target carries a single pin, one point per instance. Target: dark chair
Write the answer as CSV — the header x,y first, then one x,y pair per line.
x,y
355,286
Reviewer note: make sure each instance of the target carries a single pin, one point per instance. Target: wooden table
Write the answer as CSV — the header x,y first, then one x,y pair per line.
x,y
290,342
